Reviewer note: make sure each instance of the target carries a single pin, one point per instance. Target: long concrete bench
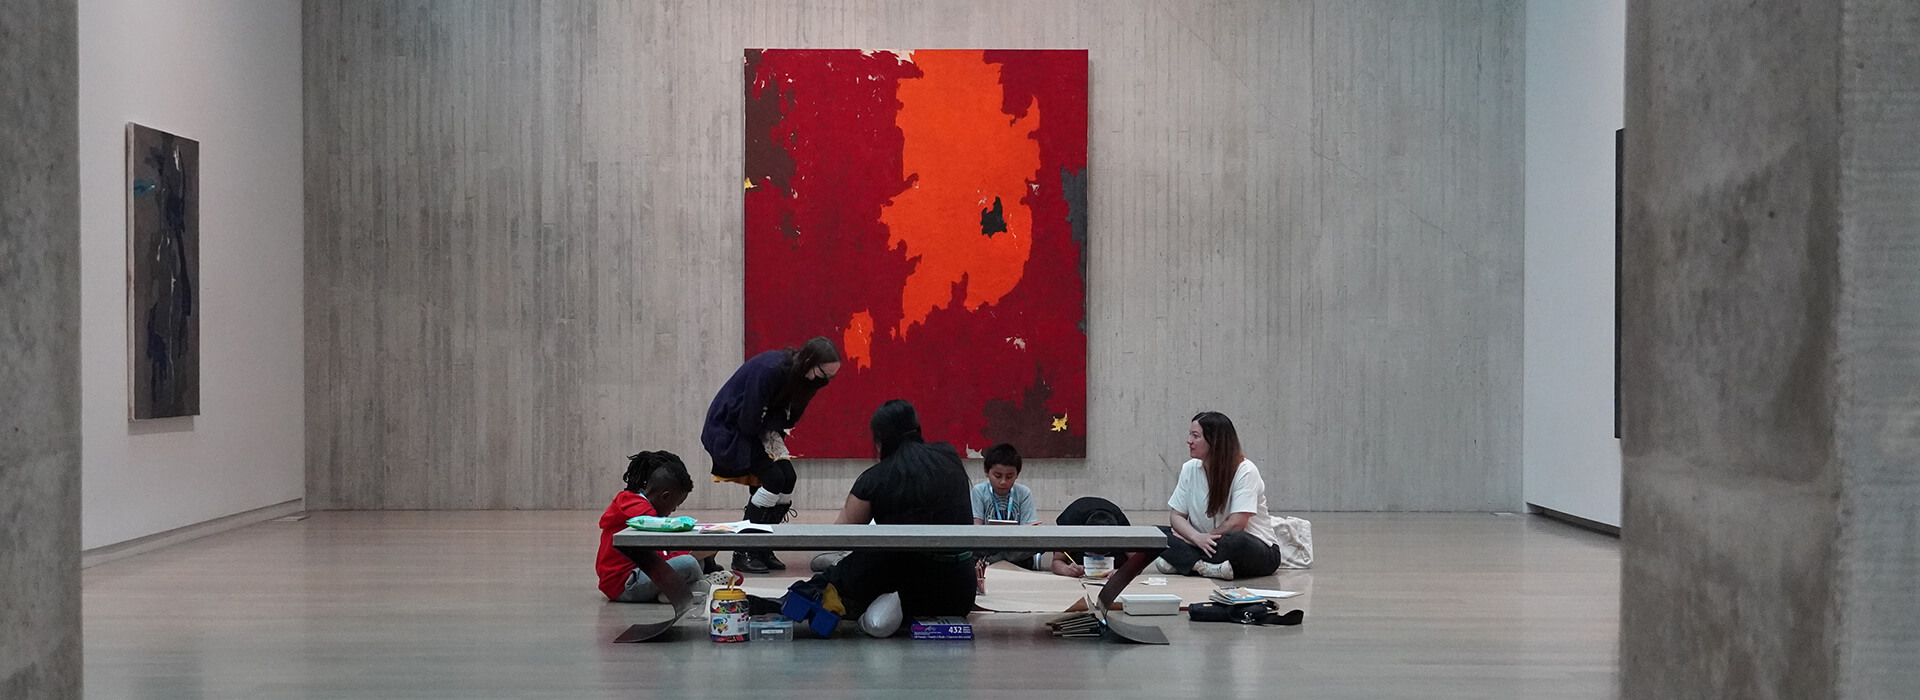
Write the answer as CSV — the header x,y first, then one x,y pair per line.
x,y
1139,544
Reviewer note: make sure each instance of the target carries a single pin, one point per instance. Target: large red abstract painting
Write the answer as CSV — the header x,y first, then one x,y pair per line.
x,y
925,210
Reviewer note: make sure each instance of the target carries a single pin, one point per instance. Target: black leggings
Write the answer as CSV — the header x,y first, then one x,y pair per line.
x,y
776,476
928,584
1250,556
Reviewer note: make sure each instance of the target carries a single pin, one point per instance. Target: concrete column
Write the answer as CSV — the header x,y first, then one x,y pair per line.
x,y
39,352
1771,350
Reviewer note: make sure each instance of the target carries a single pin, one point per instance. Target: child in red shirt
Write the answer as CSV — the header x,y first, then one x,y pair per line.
x,y
657,483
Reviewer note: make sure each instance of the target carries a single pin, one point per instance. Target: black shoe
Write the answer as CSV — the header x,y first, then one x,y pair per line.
x,y
768,516
746,563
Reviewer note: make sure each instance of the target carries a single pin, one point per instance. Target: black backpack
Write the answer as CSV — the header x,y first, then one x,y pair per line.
x,y
1265,612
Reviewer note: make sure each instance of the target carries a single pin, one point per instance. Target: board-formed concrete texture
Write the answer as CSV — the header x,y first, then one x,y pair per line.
x,y
1770,367
524,256
39,351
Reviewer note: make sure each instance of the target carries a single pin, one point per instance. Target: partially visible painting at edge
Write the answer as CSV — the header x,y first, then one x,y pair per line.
x,y
163,275
1619,154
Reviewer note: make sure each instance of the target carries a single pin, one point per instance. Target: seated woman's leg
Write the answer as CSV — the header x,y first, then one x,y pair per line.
x,y
1180,554
860,577
1249,556
937,584
881,589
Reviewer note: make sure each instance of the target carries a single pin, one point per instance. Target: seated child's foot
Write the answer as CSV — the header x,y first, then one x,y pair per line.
x,y
1222,570
1160,566
723,578
883,617
826,560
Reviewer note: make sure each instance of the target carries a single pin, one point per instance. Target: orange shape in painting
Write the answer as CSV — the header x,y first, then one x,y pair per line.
x,y
856,345
962,152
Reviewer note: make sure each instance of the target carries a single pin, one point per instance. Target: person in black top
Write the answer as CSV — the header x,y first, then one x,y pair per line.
x,y
915,483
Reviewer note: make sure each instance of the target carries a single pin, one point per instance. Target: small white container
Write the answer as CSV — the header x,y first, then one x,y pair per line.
x,y
1138,604
1098,566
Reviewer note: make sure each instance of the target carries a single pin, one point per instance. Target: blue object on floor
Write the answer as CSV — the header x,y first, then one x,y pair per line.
x,y
799,609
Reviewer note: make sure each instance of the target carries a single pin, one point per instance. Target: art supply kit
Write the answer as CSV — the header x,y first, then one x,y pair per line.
x,y
948,627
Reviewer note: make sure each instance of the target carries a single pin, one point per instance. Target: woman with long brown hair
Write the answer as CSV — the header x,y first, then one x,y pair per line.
x,y
1219,522
746,431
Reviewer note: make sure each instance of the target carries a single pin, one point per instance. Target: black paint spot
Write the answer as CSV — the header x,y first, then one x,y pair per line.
x,y
993,220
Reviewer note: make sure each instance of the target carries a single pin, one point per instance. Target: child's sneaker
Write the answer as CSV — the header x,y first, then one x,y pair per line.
x,y
1222,570
724,578
825,560
1160,566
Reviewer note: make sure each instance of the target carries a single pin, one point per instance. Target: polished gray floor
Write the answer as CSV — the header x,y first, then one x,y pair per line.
x,y
407,604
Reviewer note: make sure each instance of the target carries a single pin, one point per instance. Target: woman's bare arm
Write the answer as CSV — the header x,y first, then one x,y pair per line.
x,y
855,512
1236,521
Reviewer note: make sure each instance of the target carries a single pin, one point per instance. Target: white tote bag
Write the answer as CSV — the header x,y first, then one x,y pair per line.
x,y
1296,541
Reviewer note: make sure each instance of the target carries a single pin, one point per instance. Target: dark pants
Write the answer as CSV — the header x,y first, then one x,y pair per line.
x,y
776,476
1023,560
1249,555
929,584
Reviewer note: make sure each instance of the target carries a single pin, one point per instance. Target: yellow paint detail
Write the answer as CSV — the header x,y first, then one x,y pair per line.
x,y
1060,424
749,183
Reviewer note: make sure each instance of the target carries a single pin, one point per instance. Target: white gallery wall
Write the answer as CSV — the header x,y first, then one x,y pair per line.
x,y
1575,67
225,73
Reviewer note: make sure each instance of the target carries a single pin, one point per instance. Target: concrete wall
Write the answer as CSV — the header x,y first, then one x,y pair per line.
x,y
522,262
1770,538
39,343
226,73
1575,65
1878,431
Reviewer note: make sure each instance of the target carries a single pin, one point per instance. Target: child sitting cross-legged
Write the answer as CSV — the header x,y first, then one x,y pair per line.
x,y
1002,500
657,483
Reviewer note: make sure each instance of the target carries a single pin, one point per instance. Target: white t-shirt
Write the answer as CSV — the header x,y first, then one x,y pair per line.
x,y
1248,495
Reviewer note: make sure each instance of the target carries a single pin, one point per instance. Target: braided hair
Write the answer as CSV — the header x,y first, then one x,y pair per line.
x,y
646,468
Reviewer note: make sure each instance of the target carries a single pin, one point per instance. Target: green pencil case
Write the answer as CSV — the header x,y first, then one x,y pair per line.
x,y
654,523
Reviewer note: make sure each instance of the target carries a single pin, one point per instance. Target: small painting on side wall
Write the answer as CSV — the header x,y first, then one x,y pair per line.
x,y
163,259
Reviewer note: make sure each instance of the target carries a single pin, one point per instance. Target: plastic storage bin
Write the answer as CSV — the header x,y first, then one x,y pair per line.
x,y
800,609
1149,603
771,628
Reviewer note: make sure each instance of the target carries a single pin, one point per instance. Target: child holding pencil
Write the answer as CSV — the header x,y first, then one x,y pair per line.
x,y
1087,510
